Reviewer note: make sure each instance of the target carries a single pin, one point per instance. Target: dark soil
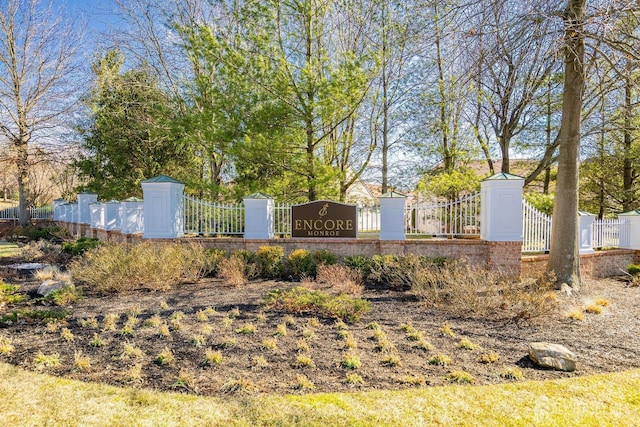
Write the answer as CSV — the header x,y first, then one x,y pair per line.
x,y
604,342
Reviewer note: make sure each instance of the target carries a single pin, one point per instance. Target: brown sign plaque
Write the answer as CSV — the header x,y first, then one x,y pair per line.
x,y
324,219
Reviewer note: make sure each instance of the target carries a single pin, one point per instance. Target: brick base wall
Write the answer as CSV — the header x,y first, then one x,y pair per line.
x,y
592,266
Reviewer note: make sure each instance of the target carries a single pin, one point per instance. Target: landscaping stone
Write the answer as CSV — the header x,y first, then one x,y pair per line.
x,y
555,356
51,285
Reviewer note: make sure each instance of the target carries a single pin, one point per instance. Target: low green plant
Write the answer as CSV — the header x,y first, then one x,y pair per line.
x,y
304,361
165,357
300,263
512,373
353,379
301,300
467,344
392,360
42,361
439,360
35,315
89,322
460,377
270,261
324,257
633,269
212,357
198,340
96,341
239,386
80,246
6,345
247,329
64,296
359,263
350,360
9,294
303,383
490,357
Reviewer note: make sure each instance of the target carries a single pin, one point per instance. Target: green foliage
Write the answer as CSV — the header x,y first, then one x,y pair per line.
x,y
9,294
300,300
300,263
324,256
80,246
633,269
450,185
213,258
148,265
542,202
32,233
64,296
30,315
360,263
270,261
128,137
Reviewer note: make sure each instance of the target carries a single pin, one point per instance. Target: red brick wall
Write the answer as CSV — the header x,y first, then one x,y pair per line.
x,y
596,265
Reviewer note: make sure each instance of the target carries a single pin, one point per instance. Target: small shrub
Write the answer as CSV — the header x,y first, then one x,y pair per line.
x,y
576,314
67,335
130,351
490,357
391,360
80,246
300,263
260,362
186,380
447,331
467,344
165,357
350,360
440,360
6,346
593,308
198,340
300,300
81,362
270,261
460,377
602,302
303,383
340,278
212,261
302,346
90,322
304,361
353,379
133,373
415,380
212,357
359,263
96,341
247,329
239,386
633,269
42,361
281,330
512,374
269,343
233,271
64,296
324,257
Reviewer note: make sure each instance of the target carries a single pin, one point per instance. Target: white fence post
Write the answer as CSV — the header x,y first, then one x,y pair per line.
x,y
132,219
163,208
258,216
112,215
97,215
501,208
392,211
632,239
586,232
84,200
58,209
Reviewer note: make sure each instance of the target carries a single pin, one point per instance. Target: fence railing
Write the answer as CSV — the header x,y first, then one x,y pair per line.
x,y
13,214
457,218
609,233
206,218
536,229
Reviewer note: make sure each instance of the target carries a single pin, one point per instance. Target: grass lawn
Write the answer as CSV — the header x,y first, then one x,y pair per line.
x,y
599,400
8,249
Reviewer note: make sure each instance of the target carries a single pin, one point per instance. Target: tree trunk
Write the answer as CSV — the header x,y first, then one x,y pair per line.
x,y
628,198
564,259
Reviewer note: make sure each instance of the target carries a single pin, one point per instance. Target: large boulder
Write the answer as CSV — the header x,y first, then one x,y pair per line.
x,y
51,285
555,356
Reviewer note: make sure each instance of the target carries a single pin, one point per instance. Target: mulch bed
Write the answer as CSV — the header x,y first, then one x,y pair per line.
x,y
604,342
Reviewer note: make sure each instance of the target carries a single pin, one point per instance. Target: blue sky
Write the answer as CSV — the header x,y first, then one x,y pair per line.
x,y
97,14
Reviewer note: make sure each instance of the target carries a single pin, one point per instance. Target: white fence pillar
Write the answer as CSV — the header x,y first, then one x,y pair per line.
x,y
631,239
163,208
132,219
84,200
586,232
112,215
73,215
258,216
501,208
392,210
58,209
97,215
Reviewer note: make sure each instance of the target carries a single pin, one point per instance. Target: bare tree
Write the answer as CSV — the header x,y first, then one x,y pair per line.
x,y
37,85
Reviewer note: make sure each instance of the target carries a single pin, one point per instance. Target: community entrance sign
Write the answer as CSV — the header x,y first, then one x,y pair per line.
x,y
324,219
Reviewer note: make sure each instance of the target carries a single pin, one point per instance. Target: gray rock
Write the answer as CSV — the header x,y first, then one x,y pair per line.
x,y
549,355
51,285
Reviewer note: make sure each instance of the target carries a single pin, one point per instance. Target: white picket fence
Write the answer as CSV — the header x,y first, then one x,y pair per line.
x,y
436,218
207,218
536,233
41,213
